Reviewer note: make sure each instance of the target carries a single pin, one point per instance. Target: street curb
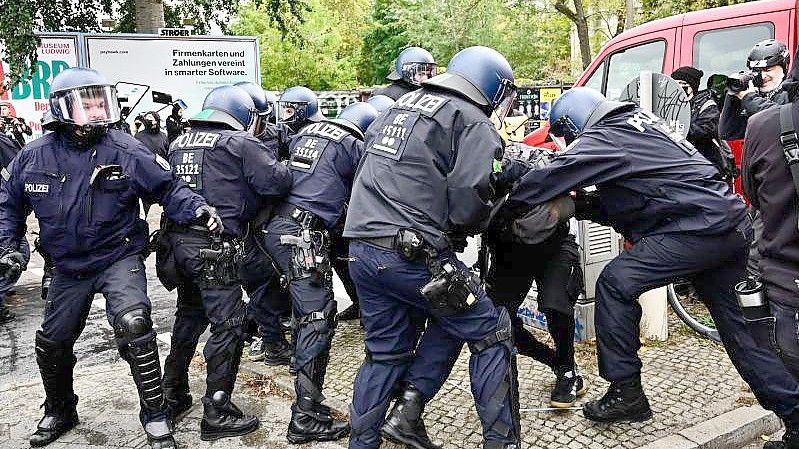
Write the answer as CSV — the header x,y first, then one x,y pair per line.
x,y
282,378
733,429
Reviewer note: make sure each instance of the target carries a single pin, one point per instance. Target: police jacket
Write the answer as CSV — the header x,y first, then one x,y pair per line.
x,y
232,170
735,113
324,157
8,150
704,131
649,181
87,200
768,184
396,89
271,140
157,142
427,166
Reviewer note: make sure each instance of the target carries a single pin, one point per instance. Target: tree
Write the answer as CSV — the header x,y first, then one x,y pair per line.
x,y
23,18
580,20
320,52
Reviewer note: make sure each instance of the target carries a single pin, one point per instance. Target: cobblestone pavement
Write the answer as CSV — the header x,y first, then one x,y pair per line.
x,y
687,379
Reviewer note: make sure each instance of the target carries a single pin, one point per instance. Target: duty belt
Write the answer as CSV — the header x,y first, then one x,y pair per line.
x,y
386,242
302,216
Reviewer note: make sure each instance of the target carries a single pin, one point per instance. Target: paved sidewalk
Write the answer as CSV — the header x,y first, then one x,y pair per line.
x,y
688,380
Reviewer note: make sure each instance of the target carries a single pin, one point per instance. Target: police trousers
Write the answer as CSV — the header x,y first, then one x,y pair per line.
x,y
198,306
389,291
268,301
714,264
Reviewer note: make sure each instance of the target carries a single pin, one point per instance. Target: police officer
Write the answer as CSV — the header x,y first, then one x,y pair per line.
x,y
259,277
660,193
83,182
297,107
8,150
426,175
151,135
768,183
340,244
413,66
769,59
703,133
220,160
324,157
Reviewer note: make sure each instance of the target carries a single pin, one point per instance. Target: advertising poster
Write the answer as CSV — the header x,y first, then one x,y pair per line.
x,y
182,68
28,99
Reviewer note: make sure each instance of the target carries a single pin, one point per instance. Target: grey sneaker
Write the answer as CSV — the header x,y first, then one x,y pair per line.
x,y
256,353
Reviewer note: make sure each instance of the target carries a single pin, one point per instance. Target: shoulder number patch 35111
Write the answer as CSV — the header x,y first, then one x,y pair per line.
x,y
393,136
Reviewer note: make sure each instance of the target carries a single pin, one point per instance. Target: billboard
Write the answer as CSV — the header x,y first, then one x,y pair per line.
x,y
186,68
28,98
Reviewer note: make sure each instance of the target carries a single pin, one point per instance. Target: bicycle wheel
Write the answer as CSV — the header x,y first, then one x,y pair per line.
x,y
687,318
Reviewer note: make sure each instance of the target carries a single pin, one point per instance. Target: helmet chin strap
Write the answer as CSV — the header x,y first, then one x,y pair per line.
x,y
85,136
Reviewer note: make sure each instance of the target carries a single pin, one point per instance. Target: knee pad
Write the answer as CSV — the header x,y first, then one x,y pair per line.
x,y
502,335
132,324
314,333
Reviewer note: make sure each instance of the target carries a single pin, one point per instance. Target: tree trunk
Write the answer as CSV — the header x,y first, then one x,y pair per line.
x,y
149,16
581,22
629,17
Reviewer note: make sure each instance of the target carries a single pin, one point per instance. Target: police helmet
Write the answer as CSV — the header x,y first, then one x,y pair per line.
x,y
271,97
413,63
298,105
356,118
227,105
380,102
482,75
580,108
262,105
83,97
769,53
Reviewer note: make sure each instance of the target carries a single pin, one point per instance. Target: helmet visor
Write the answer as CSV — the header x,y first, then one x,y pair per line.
x,y
93,105
417,72
291,111
504,99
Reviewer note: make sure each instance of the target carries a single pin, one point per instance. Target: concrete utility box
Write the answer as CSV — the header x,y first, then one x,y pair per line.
x,y
599,245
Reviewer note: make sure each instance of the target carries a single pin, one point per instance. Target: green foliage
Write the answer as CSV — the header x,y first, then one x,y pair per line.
x,y
657,9
320,52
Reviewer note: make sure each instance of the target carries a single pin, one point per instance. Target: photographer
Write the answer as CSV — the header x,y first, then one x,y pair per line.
x,y
760,88
15,127
148,132
704,130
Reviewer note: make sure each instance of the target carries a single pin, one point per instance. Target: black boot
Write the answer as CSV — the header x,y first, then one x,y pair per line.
x,y
145,367
353,312
277,353
59,418
404,424
222,419
790,440
313,422
56,362
624,401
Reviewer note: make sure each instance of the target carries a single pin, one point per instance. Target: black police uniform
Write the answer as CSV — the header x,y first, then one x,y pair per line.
x,y
660,193
86,201
396,89
324,157
8,150
427,167
269,301
234,173
768,183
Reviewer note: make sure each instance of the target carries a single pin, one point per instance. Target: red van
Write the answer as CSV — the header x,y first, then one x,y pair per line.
x,y
714,40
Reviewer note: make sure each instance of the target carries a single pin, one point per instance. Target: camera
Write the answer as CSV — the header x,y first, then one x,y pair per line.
x,y
739,82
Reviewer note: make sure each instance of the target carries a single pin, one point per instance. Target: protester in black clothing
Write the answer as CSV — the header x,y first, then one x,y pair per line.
x,y
151,135
175,125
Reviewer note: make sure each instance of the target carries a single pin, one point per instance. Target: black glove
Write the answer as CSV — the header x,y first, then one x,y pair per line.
x,y
586,205
214,223
12,264
457,241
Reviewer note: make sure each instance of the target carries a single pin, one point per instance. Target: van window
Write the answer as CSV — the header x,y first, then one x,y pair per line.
x,y
595,82
626,64
725,50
